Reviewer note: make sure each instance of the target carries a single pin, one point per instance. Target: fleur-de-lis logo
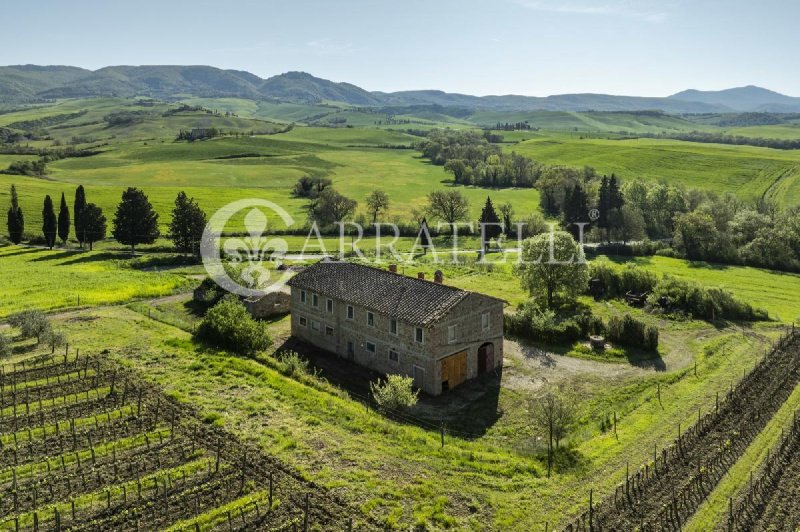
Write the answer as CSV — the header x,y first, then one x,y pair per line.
x,y
246,265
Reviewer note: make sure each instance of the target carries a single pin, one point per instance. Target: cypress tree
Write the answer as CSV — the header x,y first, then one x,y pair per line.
x,y
49,222
489,223
424,235
63,220
615,198
77,211
603,203
135,221
16,221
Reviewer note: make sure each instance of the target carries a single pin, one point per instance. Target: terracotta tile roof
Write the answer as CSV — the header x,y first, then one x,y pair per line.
x,y
408,299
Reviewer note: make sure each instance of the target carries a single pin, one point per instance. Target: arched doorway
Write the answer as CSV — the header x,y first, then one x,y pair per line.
x,y
485,358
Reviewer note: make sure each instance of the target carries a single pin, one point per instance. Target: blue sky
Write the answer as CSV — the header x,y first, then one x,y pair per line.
x,y
532,47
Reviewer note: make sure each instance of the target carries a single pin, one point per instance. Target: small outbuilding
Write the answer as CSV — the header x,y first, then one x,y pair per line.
x,y
270,304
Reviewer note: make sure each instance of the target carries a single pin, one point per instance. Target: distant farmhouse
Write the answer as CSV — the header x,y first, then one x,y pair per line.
x,y
438,334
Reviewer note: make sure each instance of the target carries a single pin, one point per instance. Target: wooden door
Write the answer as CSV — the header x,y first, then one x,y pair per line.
x,y
454,370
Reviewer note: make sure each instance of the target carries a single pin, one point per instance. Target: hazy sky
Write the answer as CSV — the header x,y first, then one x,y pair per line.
x,y
533,47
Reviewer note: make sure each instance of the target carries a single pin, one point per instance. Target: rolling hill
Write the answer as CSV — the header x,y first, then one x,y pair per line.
x,y
750,98
31,83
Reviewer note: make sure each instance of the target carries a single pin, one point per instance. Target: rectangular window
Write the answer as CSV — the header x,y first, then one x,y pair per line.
x,y
418,334
302,321
314,325
394,355
302,296
370,319
350,312
371,348
329,305
328,330
451,334
485,321
315,300
393,326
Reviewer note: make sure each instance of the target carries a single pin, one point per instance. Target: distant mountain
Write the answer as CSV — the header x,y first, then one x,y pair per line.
x,y
303,87
23,82
27,83
750,98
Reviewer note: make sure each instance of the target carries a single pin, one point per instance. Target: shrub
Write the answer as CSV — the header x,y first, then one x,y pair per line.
x,y
630,332
701,302
395,393
228,325
616,282
293,364
31,324
547,326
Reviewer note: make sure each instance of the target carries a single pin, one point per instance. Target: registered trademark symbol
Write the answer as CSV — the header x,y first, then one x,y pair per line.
x,y
594,214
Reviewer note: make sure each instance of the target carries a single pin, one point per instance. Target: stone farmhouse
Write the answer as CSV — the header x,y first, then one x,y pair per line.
x,y
438,334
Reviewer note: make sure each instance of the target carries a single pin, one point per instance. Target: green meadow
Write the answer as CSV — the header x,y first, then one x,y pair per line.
x,y
48,280
747,171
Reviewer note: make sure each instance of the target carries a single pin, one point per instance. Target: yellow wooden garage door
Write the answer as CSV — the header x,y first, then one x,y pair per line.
x,y
454,369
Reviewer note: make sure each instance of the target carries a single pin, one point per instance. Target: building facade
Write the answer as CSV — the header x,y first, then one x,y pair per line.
x,y
437,334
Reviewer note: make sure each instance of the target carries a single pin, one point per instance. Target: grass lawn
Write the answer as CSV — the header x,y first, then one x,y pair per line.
x,y
48,280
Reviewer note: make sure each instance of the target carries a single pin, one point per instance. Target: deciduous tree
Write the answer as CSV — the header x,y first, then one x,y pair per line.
x,y
450,206
377,203
553,263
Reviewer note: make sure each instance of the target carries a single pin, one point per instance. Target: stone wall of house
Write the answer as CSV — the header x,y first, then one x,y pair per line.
x,y
470,335
269,305
331,328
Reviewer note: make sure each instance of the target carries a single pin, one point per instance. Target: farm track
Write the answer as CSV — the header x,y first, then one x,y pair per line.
x,y
663,494
88,445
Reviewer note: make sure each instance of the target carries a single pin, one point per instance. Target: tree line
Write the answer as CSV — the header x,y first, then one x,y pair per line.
x,y
135,221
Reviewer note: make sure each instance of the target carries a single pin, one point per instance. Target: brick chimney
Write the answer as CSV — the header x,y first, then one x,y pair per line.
x,y
438,277
421,275
393,268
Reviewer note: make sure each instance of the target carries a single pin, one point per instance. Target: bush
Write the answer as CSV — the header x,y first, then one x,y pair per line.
x,y
630,332
395,393
701,302
545,325
31,324
616,282
293,364
228,325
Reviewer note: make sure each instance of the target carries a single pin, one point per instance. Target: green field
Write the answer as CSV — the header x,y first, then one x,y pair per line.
x,y
775,292
48,280
747,171
219,171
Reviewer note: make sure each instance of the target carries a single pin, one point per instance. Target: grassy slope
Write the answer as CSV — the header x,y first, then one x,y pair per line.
x,y
400,473
744,170
772,291
162,168
47,280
